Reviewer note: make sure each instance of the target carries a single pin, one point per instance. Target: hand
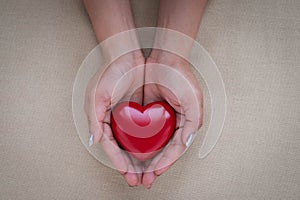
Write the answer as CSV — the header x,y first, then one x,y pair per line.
x,y
177,85
102,93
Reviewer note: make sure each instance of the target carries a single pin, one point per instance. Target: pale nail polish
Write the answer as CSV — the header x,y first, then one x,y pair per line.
x,y
91,140
189,140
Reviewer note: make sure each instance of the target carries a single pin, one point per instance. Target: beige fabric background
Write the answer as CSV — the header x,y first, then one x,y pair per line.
x,y
256,45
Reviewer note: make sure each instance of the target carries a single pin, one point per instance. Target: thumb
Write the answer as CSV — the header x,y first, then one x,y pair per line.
x,y
96,112
188,133
193,121
96,118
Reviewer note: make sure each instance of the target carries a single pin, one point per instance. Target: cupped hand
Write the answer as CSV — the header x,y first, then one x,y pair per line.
x,y
118,82
168,78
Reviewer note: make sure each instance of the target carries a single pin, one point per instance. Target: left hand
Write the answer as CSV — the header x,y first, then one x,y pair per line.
x,y
177,85
102,93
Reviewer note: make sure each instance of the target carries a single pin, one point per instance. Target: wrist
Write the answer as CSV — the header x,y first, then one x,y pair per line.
x,y
130,60
167,58
122,44
169,40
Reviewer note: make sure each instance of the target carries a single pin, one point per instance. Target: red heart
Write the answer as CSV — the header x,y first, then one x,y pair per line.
x,y
143,131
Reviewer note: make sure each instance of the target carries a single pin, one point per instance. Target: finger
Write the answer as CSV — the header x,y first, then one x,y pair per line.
x,y
95,128
193,121
149,175
134,175
131,176
193,112
119,158
93,125
113,151
188,132
180,120
138,168
148,179
170,154
97,110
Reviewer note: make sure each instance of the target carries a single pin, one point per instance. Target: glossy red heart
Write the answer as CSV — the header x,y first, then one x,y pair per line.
x,y
143,131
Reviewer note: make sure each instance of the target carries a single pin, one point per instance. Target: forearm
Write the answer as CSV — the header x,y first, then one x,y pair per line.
x,y
184,18
110,17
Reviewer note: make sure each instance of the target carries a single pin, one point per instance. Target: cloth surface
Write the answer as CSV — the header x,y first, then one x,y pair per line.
x,y
255,44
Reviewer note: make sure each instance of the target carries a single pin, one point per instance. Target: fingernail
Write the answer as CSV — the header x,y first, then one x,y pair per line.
x,y
91,140
189,140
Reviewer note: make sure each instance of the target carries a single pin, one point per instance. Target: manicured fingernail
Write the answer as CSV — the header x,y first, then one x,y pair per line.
x,y
189,140
91,140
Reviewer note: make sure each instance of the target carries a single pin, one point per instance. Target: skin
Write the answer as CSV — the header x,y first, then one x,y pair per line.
x,y
110,17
